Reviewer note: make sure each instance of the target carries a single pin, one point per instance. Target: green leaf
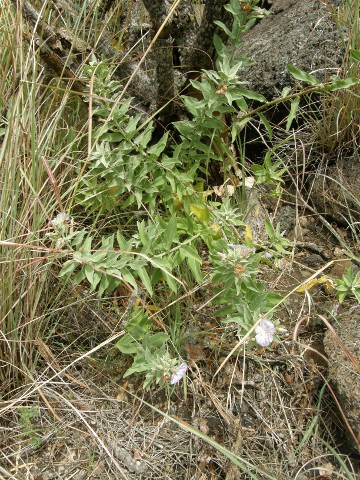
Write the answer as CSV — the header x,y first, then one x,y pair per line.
x,y
269,230
89,274
342,296
294,105
219,44
159,147
285,92
129,277
234,131
86,246
111,137
127,345
136,368
243,121
68,268
143,233
144,277
133,123
266,125
303,76
355,54
113,283
170,232
171,282
251,95
144,138
104,284
195,269
241,103
138,332
339,84
123,244
107,243
223,27
98,257
97,278
79,277
191,252
154,341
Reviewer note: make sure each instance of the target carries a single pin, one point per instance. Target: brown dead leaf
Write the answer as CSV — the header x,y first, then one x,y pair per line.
x,y
326,470
122,391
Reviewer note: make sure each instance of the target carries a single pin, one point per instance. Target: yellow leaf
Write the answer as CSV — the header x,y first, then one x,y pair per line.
x,y
248,235
328,282
201,212
178,204
215,231
323,280
153,308
307,285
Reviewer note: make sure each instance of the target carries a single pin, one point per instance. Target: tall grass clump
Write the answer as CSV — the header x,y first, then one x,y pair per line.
x,y
338,121
36,148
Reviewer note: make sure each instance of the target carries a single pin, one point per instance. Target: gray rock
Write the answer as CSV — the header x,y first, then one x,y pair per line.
x,y
299,32
286,217
344,374
335,191
255,215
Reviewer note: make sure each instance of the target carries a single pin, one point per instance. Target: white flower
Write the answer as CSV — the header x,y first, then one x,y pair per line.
x,y
61,219
264,332
178,374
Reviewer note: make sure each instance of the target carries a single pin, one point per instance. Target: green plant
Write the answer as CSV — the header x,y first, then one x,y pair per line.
x,y
151,255
245,298
122,166
215,124
126,167
277,239
349,284
27,417
127,173
271,172
339,126
150,350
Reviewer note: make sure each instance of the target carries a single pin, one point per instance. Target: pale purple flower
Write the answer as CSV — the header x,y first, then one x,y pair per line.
x,y
264,332
178,374
242,249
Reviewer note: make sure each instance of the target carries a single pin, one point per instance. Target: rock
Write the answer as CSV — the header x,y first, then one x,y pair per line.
x,y
335,192
313,260
255,215
286,217
344,375
301,33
